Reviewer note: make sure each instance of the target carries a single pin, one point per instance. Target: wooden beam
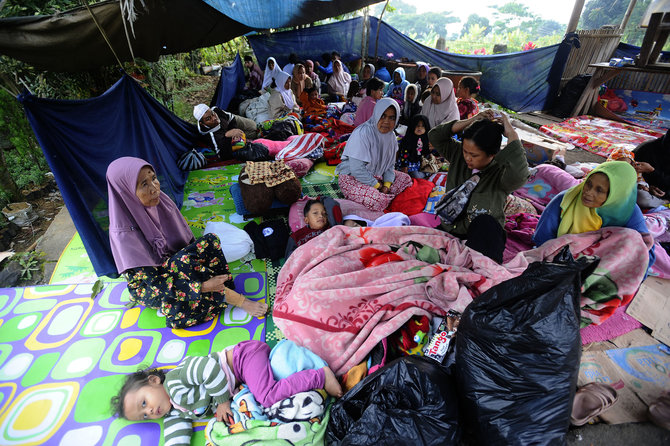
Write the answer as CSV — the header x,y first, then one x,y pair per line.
x,y
626,16
576,14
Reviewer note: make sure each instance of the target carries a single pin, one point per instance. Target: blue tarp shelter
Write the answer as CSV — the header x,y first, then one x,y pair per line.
x,y
230,83
80,139
518,81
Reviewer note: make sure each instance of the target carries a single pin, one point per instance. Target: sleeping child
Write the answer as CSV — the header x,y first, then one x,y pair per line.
x,y
203,385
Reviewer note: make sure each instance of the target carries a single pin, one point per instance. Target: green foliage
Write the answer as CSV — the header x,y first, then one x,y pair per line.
x,y
97,287
481,22
15,8
30,262
25,163
598,13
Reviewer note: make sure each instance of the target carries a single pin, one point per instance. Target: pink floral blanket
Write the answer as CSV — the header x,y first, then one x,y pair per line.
x,y
344,291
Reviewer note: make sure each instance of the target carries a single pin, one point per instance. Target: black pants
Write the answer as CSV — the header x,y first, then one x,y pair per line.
x,y
487,236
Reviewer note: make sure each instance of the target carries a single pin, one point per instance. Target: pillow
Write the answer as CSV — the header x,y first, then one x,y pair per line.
x,y
274,147
425,219
300,166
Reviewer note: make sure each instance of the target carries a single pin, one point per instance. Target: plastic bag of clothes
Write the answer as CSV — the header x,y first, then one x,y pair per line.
x,y
410,401
518,350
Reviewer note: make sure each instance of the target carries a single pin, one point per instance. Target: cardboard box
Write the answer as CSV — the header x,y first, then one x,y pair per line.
x,y
639,374
651,306
540,148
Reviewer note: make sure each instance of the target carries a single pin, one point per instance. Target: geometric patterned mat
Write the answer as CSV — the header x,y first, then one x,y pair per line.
x,y
63,356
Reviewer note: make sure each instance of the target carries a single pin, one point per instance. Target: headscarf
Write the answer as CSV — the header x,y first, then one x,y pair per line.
x,y
140,235
422,83
339,81
623,154
410,141
298,84
372,72
369,145
407,105
617,209
286,93
446,110
312,75
270,74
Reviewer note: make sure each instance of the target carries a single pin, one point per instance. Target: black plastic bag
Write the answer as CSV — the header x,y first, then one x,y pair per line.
x,y
518,350
409,401
253,151
570,94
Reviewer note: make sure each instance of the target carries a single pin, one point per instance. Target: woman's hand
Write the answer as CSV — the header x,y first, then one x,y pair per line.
x,y
234,133
643,167
508,130
224,413
216,283
655,191
484,114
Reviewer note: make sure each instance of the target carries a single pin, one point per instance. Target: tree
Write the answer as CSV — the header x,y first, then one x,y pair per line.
x,y
35,7
478,20
598,13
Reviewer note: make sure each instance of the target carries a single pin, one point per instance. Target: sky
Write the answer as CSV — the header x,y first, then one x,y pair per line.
x,y
558,10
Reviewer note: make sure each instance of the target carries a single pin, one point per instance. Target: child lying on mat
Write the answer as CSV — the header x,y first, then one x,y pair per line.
x,y
320,215
202,385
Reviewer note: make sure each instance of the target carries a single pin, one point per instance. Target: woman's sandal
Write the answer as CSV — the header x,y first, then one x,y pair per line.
x,y
659,411
590,401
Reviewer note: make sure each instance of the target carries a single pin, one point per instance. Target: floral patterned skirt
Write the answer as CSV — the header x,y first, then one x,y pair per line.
x,y
174,287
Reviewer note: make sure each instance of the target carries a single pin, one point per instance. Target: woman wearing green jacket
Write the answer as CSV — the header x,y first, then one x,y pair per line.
x,y
481,175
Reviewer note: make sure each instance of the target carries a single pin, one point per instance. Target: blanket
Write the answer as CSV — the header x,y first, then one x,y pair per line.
x,y
544,183
344,291
253,427
597,135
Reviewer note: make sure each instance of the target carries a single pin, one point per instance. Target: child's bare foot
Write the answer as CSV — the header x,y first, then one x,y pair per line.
x,y
332,385
254,308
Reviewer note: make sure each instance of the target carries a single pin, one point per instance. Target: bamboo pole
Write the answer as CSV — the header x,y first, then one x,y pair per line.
x,y
626,16
576,14
379,25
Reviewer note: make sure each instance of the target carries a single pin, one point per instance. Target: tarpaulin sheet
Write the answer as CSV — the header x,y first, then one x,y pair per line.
x,y
230,83
71,41
517,80
266,14
80,138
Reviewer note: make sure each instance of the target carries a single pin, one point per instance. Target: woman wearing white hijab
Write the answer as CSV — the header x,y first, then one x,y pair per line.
x,y
441,105
282,100
271,70
339,81
366,173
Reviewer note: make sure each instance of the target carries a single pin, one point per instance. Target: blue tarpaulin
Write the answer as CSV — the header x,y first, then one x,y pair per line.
x,y
517,80
80,138
265,14
230,83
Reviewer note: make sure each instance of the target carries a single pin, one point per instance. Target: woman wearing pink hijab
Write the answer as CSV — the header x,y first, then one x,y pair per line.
x,y
167,269
441,105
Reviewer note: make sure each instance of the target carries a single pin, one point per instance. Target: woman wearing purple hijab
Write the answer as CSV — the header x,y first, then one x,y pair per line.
x,y
167,269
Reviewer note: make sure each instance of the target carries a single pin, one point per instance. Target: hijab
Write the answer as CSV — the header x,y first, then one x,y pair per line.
x,y
617,209
446,110
410,141
369,145
407,106
339,81
422,83
372,72
286,93
140,235
312,74
298,84
270,74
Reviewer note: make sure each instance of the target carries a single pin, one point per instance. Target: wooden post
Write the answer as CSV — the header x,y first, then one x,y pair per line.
x,y
365,36
576,14
379,25
626,16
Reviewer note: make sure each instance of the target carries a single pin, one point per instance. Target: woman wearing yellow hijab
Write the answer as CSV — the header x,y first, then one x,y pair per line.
x,y
607,197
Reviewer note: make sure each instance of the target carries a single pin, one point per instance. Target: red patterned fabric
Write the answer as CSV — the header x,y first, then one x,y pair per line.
x,y
412,200
370,197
